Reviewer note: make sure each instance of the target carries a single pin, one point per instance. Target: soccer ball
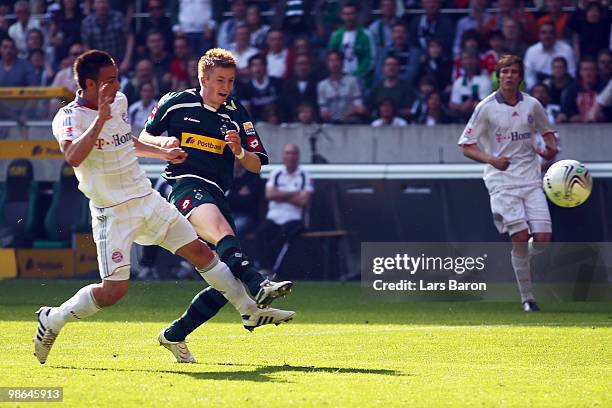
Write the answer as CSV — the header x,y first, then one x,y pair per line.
x,y
568,183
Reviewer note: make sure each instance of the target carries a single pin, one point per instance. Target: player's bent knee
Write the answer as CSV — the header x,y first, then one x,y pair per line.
x,y
521,236
542,237
110,292
197,253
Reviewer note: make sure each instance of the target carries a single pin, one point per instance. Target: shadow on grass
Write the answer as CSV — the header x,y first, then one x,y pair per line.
x,y
258,374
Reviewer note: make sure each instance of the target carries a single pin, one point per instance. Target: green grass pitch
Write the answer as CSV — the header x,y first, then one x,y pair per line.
x,y
339,351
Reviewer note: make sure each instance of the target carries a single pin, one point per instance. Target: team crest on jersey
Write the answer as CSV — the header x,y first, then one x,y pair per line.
x,y
153,112
125,117
530,119
469,131
117,256
230,106
254,144
249,129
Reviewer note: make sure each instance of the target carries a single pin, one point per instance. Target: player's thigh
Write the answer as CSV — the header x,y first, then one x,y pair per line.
x,y
536,208
164,225
113,232
508,211
197,253
210,223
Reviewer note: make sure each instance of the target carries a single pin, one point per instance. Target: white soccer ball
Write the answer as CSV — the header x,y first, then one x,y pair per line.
x,y
568,183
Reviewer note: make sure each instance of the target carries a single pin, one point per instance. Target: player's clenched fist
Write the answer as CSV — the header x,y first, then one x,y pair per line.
x,y
175,155
233,141
500,163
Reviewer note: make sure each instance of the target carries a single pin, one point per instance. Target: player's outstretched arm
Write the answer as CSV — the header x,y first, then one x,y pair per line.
x,y
174,155
78,149
161,141
473,152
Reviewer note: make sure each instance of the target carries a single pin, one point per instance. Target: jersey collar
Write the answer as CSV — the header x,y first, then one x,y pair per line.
x,y
82,102
204,104
500,99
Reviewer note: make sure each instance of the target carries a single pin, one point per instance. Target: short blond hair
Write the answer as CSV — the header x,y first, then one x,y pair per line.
x,y
215,57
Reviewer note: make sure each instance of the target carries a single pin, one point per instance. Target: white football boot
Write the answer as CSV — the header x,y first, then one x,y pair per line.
x,y
177,348
45,335
272,290
266,315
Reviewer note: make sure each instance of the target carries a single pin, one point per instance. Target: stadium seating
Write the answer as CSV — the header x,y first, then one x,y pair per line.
x,y
18,205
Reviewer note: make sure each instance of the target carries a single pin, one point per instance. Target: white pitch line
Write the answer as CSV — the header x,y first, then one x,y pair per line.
x,y
330,332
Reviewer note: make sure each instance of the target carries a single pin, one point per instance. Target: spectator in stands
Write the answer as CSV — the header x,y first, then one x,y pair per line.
x,y
259,30
192,69
381,29
261,90
280,59
107,30
327,17
431,25
65,29
538,58
471,41
144,73
195,20
243,52
399,91
470,88
14,71
306,114
244,198
473,21
558,17
387,115
591,30
294,17
581,98
65,76
288,191
604,65
512,9
496,50
157,21
228,29
339,95
602,109
559,82
355,43
435,112
302,87
139,111
427,85
407,54
19,30
541,92
35,40
43,71
161,59
437,64
302,46
512,33
179,71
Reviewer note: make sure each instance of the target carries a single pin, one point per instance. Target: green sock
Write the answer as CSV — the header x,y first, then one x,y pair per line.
x,y
229,251
203,307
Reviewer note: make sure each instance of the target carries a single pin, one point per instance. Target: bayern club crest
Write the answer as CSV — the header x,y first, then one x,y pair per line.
x,y
530,119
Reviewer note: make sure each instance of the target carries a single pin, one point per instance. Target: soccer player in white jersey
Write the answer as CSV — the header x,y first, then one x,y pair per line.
x,y
506,124
95,136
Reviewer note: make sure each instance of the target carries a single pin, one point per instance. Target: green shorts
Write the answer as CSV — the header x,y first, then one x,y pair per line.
x,y
189,193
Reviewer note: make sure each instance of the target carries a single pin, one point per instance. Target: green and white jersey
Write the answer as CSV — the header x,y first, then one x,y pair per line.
x,y
200,129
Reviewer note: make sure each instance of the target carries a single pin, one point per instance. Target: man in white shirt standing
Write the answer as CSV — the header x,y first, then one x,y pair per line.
x,y
288,192
539,57
95,136
506,124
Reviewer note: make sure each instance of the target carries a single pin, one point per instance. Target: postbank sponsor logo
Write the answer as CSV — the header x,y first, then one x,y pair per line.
x,y
201,142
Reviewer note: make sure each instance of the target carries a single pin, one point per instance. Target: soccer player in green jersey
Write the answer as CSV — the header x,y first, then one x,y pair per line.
x,y
214,129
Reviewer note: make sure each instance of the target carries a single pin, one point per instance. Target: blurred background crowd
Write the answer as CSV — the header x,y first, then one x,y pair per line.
x,y
378,62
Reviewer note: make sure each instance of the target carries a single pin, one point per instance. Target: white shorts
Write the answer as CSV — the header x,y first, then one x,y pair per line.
x,y
149,220
518,209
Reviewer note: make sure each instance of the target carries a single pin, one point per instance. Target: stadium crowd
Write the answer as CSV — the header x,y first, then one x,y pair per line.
x,y
378,62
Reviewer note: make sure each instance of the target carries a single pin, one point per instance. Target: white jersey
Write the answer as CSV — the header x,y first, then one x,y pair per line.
x,y
505,130
110,175
282,180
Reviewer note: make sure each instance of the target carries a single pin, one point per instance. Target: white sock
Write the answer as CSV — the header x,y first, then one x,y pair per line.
x,y
78,307
520,263
219,276
533,248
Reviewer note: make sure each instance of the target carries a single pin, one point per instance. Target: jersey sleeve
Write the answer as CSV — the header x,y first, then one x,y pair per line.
x,y
66,126
540,119
272,179
158,120
476,126
250,140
